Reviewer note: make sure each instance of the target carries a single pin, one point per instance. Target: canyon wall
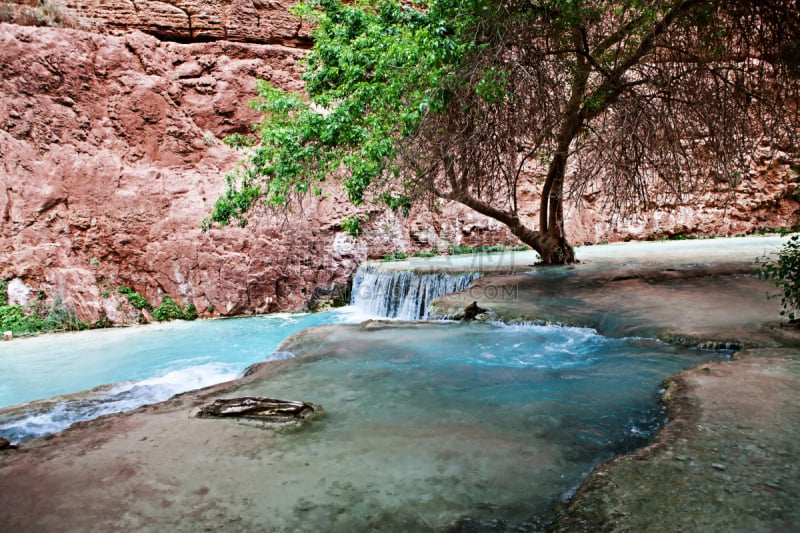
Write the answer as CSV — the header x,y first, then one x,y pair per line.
x,y
110,156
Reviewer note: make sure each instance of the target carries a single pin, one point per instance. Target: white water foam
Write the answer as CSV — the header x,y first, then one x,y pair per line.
x,y
121,397
537,346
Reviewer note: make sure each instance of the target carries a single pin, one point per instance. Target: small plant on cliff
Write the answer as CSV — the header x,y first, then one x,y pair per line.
x,y
189,312
171,310
62,318
46,13
13,318
784,272
137,300
354,224
6,12
57,317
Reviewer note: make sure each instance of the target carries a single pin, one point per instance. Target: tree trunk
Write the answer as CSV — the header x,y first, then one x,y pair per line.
x,y
549,242
552,246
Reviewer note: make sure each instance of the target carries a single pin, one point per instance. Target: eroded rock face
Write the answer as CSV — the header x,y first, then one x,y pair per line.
x,y
109,159
253,21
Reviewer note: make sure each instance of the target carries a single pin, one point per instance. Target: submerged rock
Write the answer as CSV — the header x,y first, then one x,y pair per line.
x,y
257,408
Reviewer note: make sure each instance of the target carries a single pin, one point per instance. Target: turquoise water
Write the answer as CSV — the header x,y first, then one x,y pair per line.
x,y
145,364
427,425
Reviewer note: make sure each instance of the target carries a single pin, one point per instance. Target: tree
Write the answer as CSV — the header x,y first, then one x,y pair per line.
x,y
464,100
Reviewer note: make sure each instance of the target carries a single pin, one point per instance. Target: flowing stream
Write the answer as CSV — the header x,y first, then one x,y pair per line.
x,y
426,423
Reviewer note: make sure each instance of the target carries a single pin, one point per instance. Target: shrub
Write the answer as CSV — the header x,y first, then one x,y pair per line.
x,y
56,318
137,300
62,318
457,249
190,313
13,318
30,17
46,13
784,272
6,12
354,225
171,310
3,292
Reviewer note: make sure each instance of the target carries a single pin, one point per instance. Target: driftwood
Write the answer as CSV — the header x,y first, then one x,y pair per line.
x,y
471,311
256,408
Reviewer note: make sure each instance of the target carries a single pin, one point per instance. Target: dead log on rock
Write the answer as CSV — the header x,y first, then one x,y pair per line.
x,y
471,311
256,408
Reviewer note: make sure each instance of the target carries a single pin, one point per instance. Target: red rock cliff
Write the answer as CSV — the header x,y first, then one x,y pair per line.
x,y
109,158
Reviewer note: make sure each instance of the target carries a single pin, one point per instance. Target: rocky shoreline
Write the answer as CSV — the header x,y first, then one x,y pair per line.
x,y
726,461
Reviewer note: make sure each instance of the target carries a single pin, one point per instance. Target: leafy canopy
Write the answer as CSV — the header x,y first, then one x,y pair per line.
x,y
452,98
375,71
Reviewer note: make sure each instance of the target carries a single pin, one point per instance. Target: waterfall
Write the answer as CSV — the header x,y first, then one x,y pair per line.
x,y
403,294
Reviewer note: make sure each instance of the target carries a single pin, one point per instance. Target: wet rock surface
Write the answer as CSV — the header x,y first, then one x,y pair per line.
x,y
727,461
472,311
258,408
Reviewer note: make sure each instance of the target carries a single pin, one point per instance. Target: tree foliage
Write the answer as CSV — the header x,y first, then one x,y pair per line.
x,y
470,100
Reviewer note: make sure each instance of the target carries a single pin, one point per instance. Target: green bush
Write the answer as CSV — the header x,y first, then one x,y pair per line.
x,y
396,256
190,313
455,249
3,292
59,317
784,272
62,318
13,318
354,225
171,310
137,300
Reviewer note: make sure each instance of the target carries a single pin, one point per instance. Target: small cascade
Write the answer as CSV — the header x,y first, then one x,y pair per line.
x,y
403,294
